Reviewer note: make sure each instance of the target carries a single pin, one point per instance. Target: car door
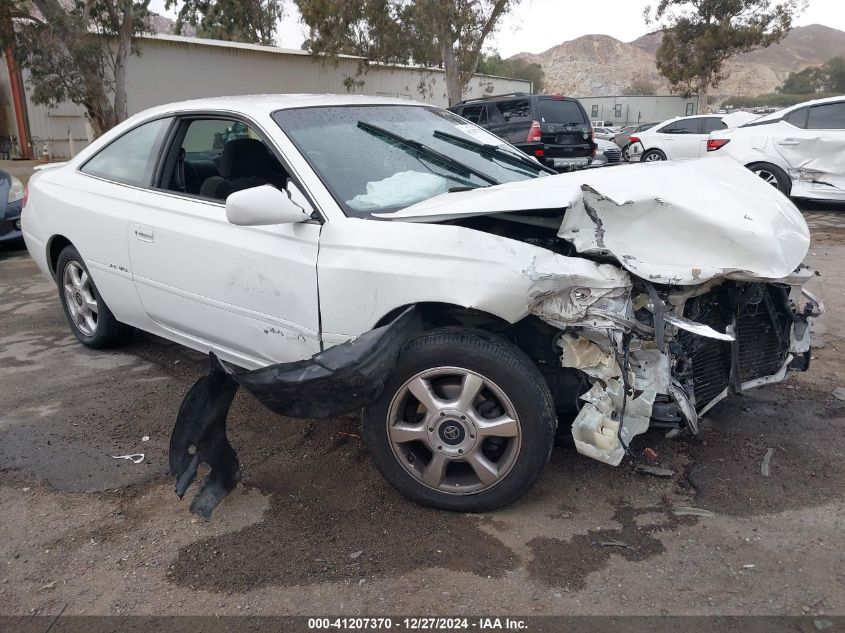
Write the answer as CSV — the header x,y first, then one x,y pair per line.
x,y
683,138
247,293
104,193
812,141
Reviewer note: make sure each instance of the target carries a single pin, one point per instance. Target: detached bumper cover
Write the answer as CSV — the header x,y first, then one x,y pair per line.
x,y
337,381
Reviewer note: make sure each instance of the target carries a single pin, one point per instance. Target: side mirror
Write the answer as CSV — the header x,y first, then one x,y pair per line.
x,y
263,206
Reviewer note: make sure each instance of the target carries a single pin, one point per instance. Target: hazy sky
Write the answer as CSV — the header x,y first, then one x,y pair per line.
x,y
537,25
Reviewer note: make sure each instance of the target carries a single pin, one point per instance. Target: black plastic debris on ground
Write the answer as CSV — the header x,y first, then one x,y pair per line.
x,y
334,382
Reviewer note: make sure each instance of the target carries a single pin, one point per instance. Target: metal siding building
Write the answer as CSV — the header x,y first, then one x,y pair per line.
x,y
175,68
622,110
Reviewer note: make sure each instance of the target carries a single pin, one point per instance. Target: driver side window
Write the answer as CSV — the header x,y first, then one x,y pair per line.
x,y
214,157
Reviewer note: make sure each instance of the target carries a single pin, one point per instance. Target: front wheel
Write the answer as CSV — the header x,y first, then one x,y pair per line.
x,y
465,423
89,317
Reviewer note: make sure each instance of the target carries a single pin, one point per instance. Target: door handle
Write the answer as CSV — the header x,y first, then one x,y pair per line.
x,y
789,142
144,233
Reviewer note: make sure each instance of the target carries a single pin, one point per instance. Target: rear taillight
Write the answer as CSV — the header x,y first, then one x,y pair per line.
x,y
716,143
539,152
535,134
634,139
25,195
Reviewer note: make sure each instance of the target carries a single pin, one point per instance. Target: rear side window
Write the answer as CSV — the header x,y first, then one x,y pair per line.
x,y
830,116
561,111
711,124
798,118
515,111
684,126
475,114
130,158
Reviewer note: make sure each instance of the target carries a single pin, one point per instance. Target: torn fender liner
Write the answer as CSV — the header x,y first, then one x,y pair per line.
x,y
334,382
199,436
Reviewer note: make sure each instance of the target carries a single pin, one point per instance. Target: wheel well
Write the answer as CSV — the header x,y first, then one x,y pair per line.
x,y
437,314
763,163
56,246
531,335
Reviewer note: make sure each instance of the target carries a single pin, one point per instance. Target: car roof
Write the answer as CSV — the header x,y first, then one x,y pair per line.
x,y
511,96
779,114
264,104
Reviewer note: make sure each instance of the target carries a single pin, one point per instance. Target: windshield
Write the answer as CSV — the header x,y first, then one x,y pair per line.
x,y
561,111
377,159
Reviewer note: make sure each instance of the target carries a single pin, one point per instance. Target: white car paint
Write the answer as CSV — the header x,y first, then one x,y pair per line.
x,y
174,265
813,159
687,146
604,133
663,204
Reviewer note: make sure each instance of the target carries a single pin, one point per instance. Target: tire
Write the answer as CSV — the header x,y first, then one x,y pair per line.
x,y
442,363
652,155
774,175
87,314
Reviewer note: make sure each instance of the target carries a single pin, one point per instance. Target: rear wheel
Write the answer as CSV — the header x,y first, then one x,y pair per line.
x,y
773,175
89,317
465,423
652,155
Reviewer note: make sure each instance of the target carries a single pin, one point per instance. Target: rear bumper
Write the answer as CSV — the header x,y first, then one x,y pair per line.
x,y
560,157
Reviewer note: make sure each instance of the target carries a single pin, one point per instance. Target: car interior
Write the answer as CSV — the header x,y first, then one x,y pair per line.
x,y
212,158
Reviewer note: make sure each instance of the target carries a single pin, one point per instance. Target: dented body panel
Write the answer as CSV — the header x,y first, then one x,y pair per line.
x,y
704,261
645,216
804,140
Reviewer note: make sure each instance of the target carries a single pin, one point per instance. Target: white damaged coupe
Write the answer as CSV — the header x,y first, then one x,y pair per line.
x,y
267,229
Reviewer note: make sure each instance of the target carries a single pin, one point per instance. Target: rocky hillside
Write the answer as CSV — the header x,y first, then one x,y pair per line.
x,y
601,65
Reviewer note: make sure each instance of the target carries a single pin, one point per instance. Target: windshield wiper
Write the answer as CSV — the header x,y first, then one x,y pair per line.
x,y
425,150
488,149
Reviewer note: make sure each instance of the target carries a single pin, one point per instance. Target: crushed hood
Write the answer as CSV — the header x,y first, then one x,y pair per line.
x,y
675,223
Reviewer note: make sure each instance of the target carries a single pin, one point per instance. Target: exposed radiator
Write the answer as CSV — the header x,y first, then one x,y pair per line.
x,y
761,329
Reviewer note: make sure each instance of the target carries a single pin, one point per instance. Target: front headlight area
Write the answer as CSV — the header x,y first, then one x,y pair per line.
x,y
602,337
666,355
16,191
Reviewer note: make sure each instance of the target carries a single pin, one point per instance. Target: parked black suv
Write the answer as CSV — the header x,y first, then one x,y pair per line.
x,y
554,129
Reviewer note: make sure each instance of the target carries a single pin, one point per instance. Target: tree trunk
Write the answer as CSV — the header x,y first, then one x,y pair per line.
x,y
702,100
124,43
454,89
96,103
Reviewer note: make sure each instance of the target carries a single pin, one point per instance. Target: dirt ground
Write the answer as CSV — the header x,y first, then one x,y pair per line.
x,y
313,529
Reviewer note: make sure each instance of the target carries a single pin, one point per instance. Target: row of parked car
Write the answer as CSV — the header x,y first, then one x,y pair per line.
x,y
800,150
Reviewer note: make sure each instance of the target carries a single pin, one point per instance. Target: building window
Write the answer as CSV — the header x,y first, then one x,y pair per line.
x,y
617,110
594,112
690,109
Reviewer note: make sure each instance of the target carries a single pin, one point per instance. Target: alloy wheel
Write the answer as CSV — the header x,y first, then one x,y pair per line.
x,y
767,176
80,298
454,430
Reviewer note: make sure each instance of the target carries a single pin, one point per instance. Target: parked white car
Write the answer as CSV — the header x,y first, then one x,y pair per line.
x,y
268,228
799,150
604,133
681,138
